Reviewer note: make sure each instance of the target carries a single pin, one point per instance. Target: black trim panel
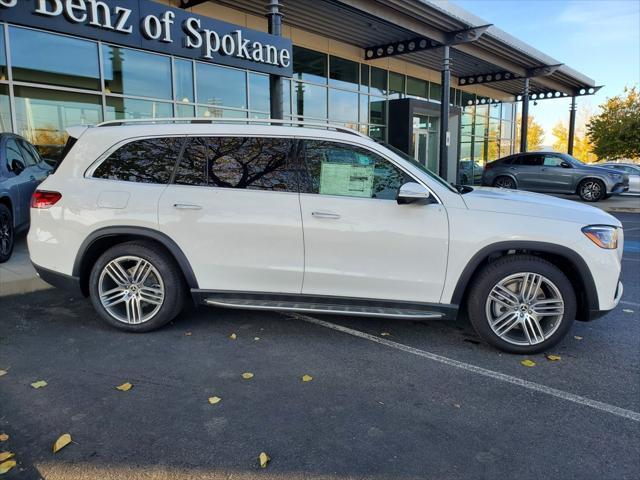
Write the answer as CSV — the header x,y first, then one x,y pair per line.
x,y
144,232
59,280
576,260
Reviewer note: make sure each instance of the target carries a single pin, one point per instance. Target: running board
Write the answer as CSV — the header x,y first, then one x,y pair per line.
x,y
320,307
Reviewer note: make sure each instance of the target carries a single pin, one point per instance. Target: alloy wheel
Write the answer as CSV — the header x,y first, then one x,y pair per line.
x,y
591,190
524,308
131,289
505,182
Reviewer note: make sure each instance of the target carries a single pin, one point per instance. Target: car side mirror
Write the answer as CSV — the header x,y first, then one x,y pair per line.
x,y
17,167
565,165
413,192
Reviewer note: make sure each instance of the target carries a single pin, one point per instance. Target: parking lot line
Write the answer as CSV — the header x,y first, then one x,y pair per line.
x,y
570,397
634,304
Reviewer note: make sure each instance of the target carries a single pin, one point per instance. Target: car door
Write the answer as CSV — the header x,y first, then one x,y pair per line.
x,y
526,169
233,209
554,177
359,242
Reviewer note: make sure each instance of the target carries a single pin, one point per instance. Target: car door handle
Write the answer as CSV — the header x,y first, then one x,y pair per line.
x,y
334,216
187,206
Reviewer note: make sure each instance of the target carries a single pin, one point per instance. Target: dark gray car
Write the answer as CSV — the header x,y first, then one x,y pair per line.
x,y
551,172
21,170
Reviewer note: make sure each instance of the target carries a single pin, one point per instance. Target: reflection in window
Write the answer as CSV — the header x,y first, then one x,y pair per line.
x,y
309,65
435,92
466,98
377,133
221,86
417,88
396,85
364,78
130,72
343,73
378,81
145,161
310,100
215,112
3,56
43,116
364,108
259,92
183,72
286,96
41,57
507,111
339,169
378,109
119,108
185,111
5,110
494,110
343,106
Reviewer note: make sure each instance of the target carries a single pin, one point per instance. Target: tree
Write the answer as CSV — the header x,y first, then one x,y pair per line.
x,y
535,134
582,146
615,132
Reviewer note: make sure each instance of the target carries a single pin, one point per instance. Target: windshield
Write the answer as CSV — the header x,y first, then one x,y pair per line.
x,y
418,165
572,160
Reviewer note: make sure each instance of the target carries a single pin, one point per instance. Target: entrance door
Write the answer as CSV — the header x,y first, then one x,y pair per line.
x,y
425,141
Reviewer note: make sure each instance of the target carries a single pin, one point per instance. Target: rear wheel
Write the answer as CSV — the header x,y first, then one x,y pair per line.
x,y
591,190
6,233
136,287
522,304
504,182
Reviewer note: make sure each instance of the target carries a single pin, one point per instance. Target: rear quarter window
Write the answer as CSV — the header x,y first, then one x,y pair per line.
x,y
151,160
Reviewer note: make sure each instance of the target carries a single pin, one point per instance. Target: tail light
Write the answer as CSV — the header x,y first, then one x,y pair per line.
x,y
44,199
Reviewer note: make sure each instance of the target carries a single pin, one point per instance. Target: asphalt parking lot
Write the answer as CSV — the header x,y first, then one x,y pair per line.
x,y
426,400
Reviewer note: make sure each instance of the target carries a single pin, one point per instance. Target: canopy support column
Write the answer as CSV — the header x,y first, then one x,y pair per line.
x,y
524,122
275,81
444,112
572,125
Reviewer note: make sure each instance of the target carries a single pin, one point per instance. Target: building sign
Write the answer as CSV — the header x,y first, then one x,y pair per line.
x,y
152,26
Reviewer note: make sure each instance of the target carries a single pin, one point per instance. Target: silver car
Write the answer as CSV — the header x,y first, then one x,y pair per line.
x,y
552,172
630,169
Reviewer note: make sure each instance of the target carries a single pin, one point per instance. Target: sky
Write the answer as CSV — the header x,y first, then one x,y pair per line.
x,y
599,38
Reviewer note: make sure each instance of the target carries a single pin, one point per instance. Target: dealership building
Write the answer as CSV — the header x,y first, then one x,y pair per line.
x,y
425,76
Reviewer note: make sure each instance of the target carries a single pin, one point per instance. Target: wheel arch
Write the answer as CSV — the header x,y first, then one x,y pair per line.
x,y
590,176
567,260
100,240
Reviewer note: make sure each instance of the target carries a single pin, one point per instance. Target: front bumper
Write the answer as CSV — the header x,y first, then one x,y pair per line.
x,y
595,314
619,188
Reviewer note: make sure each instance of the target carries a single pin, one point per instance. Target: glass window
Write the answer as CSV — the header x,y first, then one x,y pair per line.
x,y
396,85
494,128
15,161
43,116
505,148
5,110
286,96
259,92
183,72
378,109
466,98
118,108
364,78
221,86
435,92
364,108
507,111
506,130
378,81
343,106
417,88
184,110
215,112
130,72
309,65
54,59
310,100
479,150
343,73
28,153
339,169
552,161
144,161
377,133
3,56
239,162
494,110
529,160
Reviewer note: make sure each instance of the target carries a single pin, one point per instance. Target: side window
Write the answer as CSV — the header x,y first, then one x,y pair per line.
x,y
551,161
530,160
253,163
15,162
338,169
30,157
144,161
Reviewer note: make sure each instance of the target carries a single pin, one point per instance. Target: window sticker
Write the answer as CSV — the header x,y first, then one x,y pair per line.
x,y
346,179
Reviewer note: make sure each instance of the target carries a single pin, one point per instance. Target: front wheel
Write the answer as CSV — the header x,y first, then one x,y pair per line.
x,y
592,190
505,182
6,233
136,287
522,304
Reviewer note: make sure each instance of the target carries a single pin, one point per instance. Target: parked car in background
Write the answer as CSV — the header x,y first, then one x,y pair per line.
x,y
21,170
552,172
470,172
630,169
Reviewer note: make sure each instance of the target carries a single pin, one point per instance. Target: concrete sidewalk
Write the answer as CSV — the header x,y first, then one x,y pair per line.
x,y
18,276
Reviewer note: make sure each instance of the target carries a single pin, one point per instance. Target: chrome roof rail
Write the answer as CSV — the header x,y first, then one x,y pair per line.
x,y
195,120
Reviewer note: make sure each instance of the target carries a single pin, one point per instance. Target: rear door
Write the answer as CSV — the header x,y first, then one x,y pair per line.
x,y
233,208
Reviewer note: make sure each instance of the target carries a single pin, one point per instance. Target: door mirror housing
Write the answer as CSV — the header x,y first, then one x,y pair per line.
x,y
413,192
565,164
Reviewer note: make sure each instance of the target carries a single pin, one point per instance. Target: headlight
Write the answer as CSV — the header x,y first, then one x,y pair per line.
x,y
614,176
602,235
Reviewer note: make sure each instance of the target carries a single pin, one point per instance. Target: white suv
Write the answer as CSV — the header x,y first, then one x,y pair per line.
x,y
275,217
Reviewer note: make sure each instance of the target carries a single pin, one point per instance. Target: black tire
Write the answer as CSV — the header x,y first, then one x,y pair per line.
x,y
505,182
170,276
7,233
608,195
592,190
502,268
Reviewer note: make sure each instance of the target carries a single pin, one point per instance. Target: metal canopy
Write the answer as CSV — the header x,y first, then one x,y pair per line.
x,y
380,23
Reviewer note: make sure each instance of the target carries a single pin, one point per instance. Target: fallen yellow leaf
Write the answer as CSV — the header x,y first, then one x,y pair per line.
x,y
125,387
385,334
528,363
3,372
61,442
6,466
577,337
307,378
233,336
264,459
6,456
553,358
4,437
256,339
247,375
214,400
39,384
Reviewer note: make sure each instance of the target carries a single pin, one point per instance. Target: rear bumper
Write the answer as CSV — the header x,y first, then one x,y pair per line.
x,y
595,314
59,280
